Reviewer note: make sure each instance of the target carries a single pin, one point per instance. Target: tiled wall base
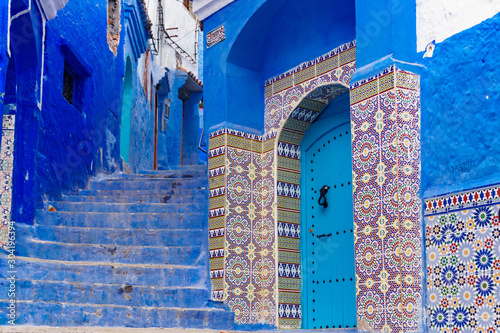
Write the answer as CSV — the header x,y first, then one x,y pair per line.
x,y
463,261
6,167
385,121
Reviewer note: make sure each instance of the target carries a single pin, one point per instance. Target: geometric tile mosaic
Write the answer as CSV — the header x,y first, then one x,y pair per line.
x,y
6,169
385,127
254,197
463,261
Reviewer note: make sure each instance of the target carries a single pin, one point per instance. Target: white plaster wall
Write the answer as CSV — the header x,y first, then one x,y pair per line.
x,y
205,8
175,15
440,19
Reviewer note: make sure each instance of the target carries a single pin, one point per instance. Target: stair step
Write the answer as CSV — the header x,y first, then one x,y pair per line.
x,y
150,184
189,167
106,273
155,199
107,294
132,237
104,207
121,220
168,174
174,255
136,193
76,315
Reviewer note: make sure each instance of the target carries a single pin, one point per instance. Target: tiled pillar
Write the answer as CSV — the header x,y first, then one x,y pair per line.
x,y
241,223
216,215
6,169
385,119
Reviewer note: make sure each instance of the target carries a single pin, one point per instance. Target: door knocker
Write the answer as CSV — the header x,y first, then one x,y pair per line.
x,y
323,191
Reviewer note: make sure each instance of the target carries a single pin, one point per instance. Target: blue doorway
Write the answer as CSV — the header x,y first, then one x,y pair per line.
x,y
126,112
327,238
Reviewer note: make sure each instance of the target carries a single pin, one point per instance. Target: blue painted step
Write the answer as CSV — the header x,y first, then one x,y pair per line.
x,y
106,273
156,199
104,207
167,174
187,167
174,255
150,184
110,294
64,314
128,252
135,193
137,237
121,220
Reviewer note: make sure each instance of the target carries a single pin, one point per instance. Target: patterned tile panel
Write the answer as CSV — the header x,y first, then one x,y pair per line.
x,y
216,217
463,261
6,169
386,179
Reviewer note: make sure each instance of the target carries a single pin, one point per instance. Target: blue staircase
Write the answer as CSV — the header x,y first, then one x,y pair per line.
x,y
128,252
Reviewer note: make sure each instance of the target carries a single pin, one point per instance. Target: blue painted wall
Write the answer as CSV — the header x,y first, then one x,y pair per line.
x,y
460,99
257,48
142,128
72,141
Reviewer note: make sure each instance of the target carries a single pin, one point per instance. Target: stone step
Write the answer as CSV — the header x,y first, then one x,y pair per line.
x,y
107,294
121,220
71,314
150,184
132,237
106,273
167,174
104,207
135,193
124,254
187,167
154,199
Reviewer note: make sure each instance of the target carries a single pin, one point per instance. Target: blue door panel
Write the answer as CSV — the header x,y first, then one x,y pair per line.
x,y
329,299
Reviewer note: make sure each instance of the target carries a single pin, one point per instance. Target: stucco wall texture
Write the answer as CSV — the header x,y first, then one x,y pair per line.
x,y
460,104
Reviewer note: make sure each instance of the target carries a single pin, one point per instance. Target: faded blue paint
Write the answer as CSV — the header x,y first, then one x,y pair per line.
x,y
264,39
460,106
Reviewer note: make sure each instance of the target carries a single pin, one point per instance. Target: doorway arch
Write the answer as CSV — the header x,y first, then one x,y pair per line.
x,y
300,105
128,90
327,232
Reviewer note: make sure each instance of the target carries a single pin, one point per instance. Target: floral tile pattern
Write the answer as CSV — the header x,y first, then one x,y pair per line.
x,y
6,168
463,261
385,126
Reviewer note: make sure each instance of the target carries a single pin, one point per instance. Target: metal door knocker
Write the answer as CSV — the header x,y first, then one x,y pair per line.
x,y
323,191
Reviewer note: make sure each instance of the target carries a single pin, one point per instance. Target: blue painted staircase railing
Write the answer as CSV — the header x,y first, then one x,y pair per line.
x,y
128,252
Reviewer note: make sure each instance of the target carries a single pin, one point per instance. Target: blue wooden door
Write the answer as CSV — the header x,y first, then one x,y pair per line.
x,y
329,298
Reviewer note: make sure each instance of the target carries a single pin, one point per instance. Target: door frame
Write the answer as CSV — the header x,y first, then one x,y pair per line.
x,y
339,119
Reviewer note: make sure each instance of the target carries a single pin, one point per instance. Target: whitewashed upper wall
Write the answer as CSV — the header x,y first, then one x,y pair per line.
x,y
175,15
205,8
440,19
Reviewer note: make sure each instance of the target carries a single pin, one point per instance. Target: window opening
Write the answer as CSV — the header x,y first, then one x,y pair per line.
x,y
69,86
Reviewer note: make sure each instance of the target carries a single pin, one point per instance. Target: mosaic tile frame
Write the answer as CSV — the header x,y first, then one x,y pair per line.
x,y
293,100
6,170
463,261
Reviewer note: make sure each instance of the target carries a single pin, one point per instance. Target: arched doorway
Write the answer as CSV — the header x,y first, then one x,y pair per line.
x,y
301,106
126,112
327,240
